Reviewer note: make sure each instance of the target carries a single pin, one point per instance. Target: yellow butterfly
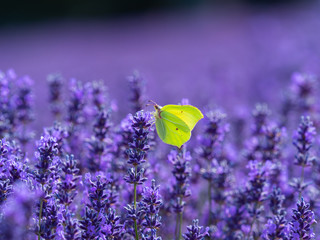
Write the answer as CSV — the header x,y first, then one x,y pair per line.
x,y
174,123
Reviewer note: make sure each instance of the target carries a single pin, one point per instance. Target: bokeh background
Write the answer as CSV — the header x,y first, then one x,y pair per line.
x,y
222,53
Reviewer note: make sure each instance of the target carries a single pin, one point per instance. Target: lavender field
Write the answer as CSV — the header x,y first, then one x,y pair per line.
x,y
80,157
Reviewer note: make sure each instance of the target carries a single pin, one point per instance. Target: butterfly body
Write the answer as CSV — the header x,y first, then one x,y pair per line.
x,y
174,123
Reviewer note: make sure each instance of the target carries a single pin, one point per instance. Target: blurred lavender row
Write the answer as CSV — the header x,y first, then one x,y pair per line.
x,y
246,49
92,176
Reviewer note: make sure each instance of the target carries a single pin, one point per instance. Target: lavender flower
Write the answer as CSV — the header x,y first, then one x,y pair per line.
x,y
266,138
113,229
24,112
139,145
68,226
67,185
260,115
60,133
235,214
303,88
76,103
302,221
195,231
13,167
151,200
46,175
152,235
76,118
99,143
97,192
49,220
213,137
5,183
256,194
6,117
123,137
46,156
276,228
90,224
303,139
182,173
98,94
101,195
137,156
276,199
55,82
137,88
5,190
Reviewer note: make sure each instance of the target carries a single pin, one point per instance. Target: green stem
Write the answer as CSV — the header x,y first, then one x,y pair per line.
x,y
301,182
40,216
135,205
136,229
177,227
179,218
180,226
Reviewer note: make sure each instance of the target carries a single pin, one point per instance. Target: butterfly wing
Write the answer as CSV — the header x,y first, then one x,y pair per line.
x,y
187,113
172,130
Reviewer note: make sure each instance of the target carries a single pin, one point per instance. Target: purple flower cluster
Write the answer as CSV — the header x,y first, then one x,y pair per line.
x,y
93,176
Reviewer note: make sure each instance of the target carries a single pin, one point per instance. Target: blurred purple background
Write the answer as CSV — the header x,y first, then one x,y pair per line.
x,y
228,57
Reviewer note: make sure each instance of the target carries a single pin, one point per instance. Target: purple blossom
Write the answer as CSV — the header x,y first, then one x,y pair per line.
x,y
302,220
76,103
46,156
90,224
276,228
137,87
260,115
303,88
55,82
68,228
113,229
99,143
98,95
88,178
182,173
67,185
303,140
195,232
151,200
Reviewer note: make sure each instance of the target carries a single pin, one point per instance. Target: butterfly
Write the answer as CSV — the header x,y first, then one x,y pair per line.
x,y
174,123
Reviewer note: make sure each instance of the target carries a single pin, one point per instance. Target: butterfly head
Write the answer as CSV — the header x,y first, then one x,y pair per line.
x,y
158,111
156,107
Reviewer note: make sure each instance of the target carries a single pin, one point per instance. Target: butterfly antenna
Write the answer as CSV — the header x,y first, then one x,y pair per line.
x,y
152,103
149,104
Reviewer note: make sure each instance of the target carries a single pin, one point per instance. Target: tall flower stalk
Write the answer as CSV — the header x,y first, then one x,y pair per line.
x,y
182,173
303,141
137,154
210,152
99,143
45,174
